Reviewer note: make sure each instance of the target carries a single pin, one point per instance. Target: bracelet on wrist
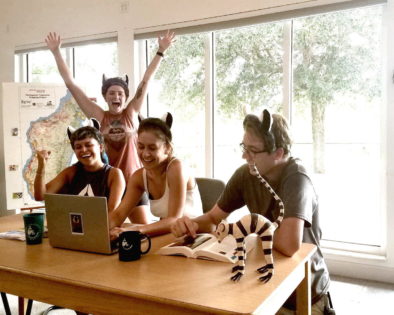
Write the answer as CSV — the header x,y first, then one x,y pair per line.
x,y
159,53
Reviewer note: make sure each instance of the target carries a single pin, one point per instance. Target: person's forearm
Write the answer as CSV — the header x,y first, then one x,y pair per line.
x,y
114,219
152,68
39,184
205,223
142,89
89,108
158,228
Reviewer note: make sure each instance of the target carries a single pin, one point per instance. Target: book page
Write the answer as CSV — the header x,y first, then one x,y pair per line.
x,y
193,243
226,250
187,245
13,235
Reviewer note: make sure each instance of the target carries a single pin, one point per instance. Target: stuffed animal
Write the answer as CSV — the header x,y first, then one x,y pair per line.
x,y
249,224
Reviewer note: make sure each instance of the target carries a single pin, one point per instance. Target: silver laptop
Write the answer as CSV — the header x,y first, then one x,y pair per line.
x,y
78,223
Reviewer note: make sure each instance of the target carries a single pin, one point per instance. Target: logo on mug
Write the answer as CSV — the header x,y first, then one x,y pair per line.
x,y
126,245
33,231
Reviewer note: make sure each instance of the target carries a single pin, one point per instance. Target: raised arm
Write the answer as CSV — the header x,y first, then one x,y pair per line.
x,y
54,186
135,104
116,184
90,108
39,180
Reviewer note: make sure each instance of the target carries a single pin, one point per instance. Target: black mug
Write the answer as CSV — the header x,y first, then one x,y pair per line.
x,y
34,227
130,245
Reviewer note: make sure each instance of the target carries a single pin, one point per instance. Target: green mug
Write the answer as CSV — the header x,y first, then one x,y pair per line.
x,y
34,227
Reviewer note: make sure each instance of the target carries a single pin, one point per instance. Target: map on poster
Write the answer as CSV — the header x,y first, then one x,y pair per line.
x,y
35,117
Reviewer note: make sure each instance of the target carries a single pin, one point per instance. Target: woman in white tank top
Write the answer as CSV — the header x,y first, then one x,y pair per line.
x,y
172,191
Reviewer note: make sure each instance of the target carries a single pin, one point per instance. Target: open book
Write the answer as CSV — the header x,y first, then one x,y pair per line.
x,y
18,234
206,246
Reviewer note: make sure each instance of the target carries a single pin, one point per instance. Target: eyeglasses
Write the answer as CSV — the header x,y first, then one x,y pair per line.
x,y
246,149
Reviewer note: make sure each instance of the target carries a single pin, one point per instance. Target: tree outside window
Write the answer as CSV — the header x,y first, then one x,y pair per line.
x,y
335,109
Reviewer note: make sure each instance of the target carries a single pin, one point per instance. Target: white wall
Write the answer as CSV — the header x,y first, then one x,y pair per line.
x,y
24,24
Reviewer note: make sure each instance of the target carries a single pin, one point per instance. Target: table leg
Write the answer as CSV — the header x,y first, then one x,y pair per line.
x,y
304,292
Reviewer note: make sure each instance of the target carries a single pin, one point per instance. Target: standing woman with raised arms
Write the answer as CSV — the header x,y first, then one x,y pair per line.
x,y
120,123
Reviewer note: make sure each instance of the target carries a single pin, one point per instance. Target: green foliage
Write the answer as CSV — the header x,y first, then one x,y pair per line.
x,y
333,53
249,68
182,73
38,71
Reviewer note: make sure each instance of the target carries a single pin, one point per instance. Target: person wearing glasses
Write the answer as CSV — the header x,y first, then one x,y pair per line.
x,y
266,147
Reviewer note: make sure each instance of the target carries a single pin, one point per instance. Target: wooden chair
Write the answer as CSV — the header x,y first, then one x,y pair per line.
x,y
210,191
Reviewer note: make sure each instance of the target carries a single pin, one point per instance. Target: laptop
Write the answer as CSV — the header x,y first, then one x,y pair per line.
x,y
79,223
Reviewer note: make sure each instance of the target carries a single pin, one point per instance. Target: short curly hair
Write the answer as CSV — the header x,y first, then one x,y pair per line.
x,y
86,132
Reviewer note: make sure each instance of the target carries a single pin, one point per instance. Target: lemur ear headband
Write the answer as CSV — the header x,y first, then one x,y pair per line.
x,y
92,122
125,79
121,81
166,118
266,121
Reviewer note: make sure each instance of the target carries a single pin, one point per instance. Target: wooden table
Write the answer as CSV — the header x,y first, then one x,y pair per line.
x,y
101,284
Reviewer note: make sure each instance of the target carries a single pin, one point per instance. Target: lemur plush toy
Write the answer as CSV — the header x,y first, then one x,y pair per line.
x,y
254,223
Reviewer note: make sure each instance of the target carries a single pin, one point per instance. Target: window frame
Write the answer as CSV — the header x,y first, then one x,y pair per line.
x,y
331,247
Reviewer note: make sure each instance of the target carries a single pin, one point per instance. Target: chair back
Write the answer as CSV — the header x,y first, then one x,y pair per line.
x,y
210,191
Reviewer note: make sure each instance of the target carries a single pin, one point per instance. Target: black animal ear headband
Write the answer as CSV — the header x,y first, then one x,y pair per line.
x,y
266,126
91,123
266,121
125,78
122,82
166,118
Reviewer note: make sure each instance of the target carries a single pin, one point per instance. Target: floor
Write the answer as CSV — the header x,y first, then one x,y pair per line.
x,y
349,296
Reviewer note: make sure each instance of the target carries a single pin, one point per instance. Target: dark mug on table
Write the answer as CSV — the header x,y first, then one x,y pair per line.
x,y
130,245
34,227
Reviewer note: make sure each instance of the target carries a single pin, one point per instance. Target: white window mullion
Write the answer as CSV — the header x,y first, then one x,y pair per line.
x,y
287,70
21,68
209,103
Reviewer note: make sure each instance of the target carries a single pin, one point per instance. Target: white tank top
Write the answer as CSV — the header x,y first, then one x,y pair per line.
x,y
159,207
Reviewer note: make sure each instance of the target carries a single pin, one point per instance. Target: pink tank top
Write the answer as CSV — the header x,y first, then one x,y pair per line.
x,y
120,138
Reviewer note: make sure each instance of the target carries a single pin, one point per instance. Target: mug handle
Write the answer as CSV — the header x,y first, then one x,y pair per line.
x,y
148,238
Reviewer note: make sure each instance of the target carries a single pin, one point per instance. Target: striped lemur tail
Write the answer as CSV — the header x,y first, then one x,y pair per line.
x,y
279,219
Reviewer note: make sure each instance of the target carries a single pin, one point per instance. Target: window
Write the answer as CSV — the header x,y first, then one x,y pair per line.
x,y
178,88
334,108
337,104
42,67
91,62
248,63
88,63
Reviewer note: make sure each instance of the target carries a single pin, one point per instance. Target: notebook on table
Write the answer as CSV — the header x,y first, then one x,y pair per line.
x,y
78,223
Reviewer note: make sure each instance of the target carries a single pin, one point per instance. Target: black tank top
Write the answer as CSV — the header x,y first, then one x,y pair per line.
x,y
87,183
